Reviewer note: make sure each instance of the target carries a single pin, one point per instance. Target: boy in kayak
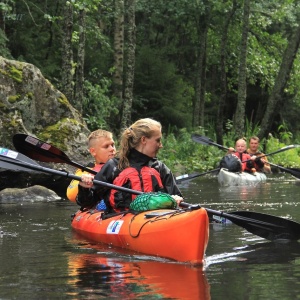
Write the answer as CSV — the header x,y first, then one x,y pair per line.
x,y
101,145
136,167
261,162
240,151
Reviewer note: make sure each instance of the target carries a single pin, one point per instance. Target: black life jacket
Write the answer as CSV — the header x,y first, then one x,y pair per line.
x,y
231,162
144,179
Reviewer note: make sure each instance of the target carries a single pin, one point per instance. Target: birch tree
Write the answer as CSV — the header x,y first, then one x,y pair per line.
x,y
223,76
118,49
67,52
79,81
239,118
130,63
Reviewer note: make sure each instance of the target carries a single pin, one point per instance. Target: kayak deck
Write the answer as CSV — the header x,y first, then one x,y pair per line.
x,y
180,235
227,178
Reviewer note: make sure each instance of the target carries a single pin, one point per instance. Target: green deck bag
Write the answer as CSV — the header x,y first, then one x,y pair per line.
x,y
150,201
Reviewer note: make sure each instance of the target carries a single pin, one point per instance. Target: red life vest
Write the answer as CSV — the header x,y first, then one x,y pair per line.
x,y
146,179
244,157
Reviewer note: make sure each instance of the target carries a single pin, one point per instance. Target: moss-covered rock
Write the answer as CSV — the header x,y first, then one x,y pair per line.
x,y
30,104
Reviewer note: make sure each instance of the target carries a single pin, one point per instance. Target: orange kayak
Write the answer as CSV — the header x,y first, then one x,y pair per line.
x,y
180,235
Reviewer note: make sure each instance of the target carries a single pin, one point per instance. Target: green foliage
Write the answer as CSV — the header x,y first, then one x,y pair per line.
x,y
289,158
97,106
182,155
166,96
4,51
251,129
284,133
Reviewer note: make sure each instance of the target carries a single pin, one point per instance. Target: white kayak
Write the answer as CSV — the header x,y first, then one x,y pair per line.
x,y
227,178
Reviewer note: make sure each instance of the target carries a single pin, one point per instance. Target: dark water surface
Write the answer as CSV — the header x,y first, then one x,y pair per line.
x,y
41,258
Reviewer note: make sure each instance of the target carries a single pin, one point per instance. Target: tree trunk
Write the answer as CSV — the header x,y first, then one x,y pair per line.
x,y
275,101
223,77
130,63
239,118
199,102
118,49
67,52
199,95
79,86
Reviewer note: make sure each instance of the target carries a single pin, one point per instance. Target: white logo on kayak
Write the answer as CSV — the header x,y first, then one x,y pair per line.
x,y
114,227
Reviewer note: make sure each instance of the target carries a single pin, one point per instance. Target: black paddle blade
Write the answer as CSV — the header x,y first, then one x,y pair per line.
x,y
266,226
206,141
42,151
272,228
293,171
13,155
37,149
201,139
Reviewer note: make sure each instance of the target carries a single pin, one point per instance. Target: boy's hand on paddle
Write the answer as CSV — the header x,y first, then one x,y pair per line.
x,y
86,180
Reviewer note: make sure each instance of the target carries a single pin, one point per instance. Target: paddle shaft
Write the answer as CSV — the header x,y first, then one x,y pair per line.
x,y
37,167
192,176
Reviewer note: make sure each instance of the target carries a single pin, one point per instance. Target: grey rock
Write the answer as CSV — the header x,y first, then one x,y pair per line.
x,y
34,193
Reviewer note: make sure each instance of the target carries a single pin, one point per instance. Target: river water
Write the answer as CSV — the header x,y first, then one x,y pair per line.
x,y
40,256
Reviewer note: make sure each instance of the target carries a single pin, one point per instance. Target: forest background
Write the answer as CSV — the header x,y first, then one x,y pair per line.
x,y
224,69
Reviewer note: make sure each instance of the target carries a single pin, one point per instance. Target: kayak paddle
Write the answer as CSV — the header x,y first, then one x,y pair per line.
x,y
266,226
14,155
42,151
293,171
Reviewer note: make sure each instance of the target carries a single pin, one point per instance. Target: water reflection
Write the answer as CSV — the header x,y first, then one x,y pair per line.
x,y
258,253
245,193
270,253
129,276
